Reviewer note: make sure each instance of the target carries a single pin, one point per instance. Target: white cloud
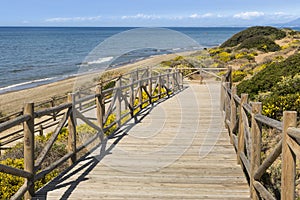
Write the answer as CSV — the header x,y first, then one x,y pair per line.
x,y
141,16
176,18
280,13
73,19
282,16
206,15
248,15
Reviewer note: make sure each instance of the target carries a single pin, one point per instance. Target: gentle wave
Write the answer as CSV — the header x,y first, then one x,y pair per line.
x,y
99,61
25,84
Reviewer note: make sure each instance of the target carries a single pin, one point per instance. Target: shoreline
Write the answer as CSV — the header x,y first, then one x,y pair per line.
x,y
13,101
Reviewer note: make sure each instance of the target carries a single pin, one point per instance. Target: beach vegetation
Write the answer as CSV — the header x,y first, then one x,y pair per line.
x,y
110,84
276,85
261,43
215,51
178,58
245,55
179,62
10,184
256,31
224,56
268,77
13,157
238,75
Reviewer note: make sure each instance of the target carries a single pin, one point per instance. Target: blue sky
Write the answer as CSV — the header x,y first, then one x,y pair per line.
x,y
147,12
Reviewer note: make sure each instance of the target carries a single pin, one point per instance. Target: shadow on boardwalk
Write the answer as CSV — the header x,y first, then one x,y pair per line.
x,y
142,162
69,178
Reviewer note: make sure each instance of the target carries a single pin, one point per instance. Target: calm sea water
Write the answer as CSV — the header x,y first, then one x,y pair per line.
x,y
31,56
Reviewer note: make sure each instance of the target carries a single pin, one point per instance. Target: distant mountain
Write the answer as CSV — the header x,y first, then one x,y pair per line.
x,y
294,23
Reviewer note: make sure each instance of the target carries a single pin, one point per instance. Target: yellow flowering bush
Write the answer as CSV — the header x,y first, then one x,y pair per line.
x,y
215,51
10,184
238,75
224,56
249,56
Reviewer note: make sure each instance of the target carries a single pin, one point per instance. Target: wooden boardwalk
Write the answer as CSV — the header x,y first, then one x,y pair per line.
x,y
179,149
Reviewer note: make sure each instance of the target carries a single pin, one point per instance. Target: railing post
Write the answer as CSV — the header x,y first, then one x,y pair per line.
x,y
137,74
227,102
256,131
159,85
168,83
173,80
288,165
241,140
29,147
222,96
118,102
80,104
52,105
72,131
41,132
232,113
150,85
140,93
100,106
229,77
131,93
180,80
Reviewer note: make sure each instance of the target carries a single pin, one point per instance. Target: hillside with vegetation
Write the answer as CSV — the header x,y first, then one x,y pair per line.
x,y
265,62
266,65
273,75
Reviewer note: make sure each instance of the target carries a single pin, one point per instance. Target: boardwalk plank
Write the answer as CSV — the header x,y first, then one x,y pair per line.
x,y
181,150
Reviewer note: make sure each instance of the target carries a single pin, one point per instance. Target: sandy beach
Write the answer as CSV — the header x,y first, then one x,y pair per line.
x,y
14,101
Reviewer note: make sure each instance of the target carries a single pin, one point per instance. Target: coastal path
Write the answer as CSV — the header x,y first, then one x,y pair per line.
x,y
179,149
156,135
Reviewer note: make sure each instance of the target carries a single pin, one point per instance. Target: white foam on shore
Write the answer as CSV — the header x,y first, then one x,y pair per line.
x,y
100,60
24,84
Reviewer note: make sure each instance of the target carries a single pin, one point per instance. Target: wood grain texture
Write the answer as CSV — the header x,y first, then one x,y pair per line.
x,y
179,149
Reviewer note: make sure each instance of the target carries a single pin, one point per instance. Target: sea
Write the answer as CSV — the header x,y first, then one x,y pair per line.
x,y
31,56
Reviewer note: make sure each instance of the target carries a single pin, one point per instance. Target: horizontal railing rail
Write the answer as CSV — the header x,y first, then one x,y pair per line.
x,y
244,122
132,93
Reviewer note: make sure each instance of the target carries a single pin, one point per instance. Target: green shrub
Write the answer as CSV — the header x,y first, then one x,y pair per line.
x,y
111,119
261,43
224,56
178,58
62,136
255,31
287,85
177,62
246,55
109,85
285,95
10,184
274,105
85,129
215,51
268,77
13,157
238,76
277,86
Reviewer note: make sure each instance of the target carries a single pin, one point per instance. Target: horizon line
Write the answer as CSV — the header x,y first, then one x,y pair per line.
x,y
42,26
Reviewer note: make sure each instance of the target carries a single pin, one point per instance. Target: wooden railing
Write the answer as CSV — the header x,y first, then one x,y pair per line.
x,y
244,122
132,92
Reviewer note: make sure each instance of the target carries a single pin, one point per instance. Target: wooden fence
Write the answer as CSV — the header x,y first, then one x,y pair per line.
x,y
244,122
132,92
